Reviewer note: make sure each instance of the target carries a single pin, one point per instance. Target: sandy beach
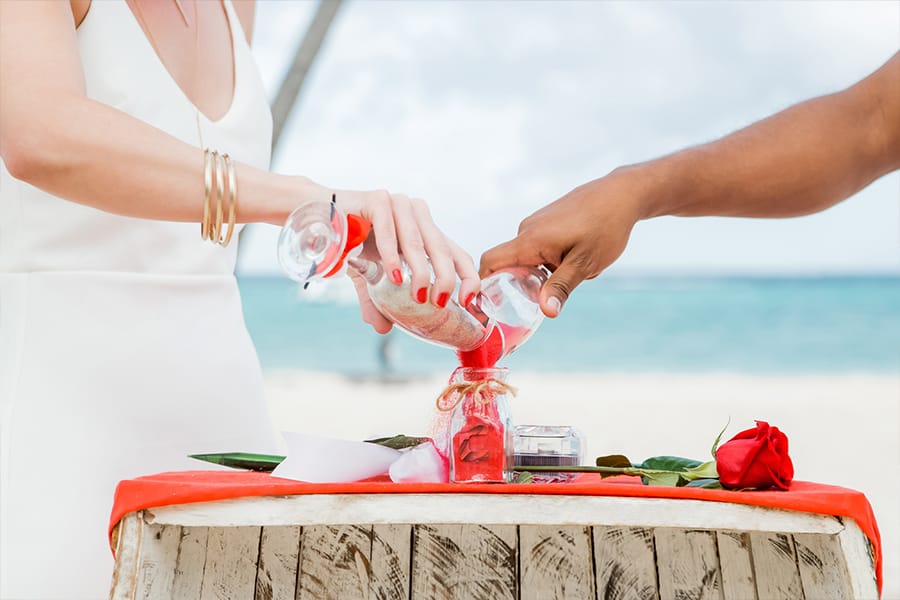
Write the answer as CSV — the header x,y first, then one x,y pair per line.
x,y
843,429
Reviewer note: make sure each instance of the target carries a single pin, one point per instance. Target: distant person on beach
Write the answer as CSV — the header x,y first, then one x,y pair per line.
x,y
797,162
386,354
122,343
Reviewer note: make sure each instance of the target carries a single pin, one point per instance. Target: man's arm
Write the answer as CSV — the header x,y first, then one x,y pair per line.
x,y
799,161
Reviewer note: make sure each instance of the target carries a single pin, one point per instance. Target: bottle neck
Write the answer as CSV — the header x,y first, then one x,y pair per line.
x,y
371,271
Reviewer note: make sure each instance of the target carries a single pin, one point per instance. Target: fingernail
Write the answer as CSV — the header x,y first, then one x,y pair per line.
x,y
397,276
422,295
554,304
469,299
442,299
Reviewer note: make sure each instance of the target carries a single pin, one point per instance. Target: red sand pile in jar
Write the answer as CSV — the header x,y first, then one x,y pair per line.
x,y
479,452
478,448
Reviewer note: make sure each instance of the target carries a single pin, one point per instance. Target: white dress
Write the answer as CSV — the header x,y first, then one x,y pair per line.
x,y
122,342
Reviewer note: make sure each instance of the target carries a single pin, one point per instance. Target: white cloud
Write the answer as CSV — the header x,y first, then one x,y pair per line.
x,y
490,110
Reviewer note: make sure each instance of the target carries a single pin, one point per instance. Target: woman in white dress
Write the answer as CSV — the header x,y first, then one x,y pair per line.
x,y
122,343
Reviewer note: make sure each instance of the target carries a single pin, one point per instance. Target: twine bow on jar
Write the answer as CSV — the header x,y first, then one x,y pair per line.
x,y
482,391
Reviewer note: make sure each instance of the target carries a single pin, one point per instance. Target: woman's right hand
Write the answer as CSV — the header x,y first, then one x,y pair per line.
x,y
402,226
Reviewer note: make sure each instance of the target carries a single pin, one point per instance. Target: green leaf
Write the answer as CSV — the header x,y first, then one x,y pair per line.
x,y
715,445
669,463
242,460
617,461
524,477
399,442
705,471
711,484
669,479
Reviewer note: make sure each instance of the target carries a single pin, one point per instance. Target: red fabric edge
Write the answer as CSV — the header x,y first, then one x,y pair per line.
x,y
184,487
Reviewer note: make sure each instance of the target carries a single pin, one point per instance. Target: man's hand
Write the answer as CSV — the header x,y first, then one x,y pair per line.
x,y
576,237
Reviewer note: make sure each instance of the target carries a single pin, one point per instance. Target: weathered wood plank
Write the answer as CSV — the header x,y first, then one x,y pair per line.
x,y
159,552
736,563
189,564
231,558
491,509
823,569
687,564
391,551
860,563
625,563
128,550
276,576
464,561
555,562
775,565
334,562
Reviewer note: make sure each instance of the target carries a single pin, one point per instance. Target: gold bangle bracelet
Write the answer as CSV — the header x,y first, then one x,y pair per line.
x,y
207,190
216,235
232,198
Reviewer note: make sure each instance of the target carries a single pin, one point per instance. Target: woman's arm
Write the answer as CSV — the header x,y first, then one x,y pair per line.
x,y
55,138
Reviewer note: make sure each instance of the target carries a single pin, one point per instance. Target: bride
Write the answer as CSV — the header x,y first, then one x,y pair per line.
x,y
122,344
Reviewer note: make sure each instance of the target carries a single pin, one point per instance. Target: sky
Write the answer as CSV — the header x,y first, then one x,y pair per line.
x,y
490,110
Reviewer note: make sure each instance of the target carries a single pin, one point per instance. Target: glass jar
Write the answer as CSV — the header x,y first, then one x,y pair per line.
x,y
480,426
317,240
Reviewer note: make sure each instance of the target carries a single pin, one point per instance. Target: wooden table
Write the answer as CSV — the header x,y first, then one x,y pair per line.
x,y
487,546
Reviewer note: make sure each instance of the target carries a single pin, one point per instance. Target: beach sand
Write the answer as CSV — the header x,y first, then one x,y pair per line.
x,y
843,429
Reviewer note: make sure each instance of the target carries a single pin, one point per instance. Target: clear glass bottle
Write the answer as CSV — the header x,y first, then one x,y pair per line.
x,y
481,431
313,246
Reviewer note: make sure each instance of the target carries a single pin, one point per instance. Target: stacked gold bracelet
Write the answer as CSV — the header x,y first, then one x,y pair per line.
x,y
219,181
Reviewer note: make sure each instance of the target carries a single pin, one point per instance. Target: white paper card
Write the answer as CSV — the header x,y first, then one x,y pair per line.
x,y
326,460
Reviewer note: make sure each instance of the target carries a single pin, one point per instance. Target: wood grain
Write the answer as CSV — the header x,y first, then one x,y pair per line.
x,y
591,552
465,561
190,563
823,569
334,562
687,563
390,560
775,563
159,553
232,554
555,562
279,553
128,549
625,563
736,562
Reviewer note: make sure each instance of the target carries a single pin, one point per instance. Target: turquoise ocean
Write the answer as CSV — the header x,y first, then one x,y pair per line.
x,y
746,324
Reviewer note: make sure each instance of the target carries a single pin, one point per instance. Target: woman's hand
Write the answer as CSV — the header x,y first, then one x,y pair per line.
x,y
402,226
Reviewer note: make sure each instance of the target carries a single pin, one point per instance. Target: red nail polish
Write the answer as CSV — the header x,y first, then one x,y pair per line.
x,y
469,299
442,299
422,295
397,276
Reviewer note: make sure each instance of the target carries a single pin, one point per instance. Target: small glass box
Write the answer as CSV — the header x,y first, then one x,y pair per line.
x,y
546,445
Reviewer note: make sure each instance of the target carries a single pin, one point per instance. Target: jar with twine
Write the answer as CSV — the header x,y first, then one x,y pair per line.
x,y
480,441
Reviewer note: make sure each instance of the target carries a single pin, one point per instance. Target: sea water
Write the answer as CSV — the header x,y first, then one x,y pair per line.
x,y
758,325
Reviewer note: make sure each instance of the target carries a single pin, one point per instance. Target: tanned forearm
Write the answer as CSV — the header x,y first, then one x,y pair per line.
x,y
800,161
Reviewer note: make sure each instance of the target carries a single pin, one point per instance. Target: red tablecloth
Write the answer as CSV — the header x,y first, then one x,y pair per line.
x,y
184,487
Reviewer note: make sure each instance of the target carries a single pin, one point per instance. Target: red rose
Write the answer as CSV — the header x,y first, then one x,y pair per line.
x,y
755,458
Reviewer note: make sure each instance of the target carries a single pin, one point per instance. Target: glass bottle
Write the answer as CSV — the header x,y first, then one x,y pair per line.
x,y
315,242
480,427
